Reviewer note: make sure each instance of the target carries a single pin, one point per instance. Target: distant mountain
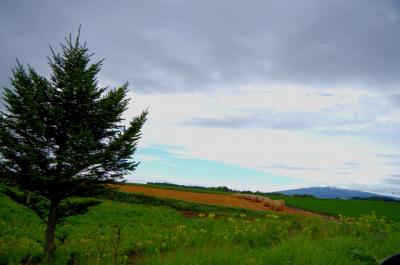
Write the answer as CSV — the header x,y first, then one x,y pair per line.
x,y
331,193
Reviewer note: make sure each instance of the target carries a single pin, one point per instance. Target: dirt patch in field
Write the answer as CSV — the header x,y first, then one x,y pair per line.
x,y
209,198
190,214
307,213
135,256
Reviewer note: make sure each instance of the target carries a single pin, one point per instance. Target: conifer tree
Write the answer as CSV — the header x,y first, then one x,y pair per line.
x,y
62,136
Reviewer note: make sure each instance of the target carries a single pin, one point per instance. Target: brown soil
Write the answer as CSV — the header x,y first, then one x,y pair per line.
x,y
135,256
307,213
207,198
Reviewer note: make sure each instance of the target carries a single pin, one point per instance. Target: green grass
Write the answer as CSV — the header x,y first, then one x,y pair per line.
x,y
139,233
351,208
299,250
333,207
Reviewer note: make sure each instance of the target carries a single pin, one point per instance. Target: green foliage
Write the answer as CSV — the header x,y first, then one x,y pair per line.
x,y
367,225
40,206
21,233
300,195
63,137
33,201
351,208
376,198
126,233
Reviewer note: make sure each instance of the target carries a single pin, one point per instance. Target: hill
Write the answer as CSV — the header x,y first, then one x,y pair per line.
x,y
149,231
331,193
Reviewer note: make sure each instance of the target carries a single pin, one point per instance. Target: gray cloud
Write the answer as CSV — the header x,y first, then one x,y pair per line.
x,y
387,190
388,156
321,94
167,46
350,164
393,180
268,119
161,45
395,99
274,122
291,167
227,122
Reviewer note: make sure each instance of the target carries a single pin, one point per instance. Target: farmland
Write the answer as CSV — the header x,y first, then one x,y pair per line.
x,y
351,208
332,207
147,230
212,198
169,186
188,195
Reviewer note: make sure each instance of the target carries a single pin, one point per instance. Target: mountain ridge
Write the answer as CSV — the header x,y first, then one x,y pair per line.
x,y
332,192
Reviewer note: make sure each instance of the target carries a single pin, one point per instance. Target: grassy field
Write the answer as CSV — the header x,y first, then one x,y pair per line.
x,y
143,231
333,207
351,208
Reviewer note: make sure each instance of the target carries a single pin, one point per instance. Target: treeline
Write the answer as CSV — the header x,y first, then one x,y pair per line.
x,y
219,188
167,184
376,198
226,189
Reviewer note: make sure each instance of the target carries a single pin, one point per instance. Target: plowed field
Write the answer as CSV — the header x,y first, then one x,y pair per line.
x,y
206,198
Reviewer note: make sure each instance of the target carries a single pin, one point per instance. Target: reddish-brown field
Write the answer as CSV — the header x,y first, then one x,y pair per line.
x,y
207,198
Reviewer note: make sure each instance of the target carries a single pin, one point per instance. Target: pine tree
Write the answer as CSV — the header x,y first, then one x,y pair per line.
x,y
63,137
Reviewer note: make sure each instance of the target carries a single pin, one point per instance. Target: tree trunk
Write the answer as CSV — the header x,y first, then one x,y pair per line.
x,y
50,232
28,198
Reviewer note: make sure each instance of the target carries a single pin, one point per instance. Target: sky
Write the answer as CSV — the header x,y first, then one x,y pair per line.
x,y
254,95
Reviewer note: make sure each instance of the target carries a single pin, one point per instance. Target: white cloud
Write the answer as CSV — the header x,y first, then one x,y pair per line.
x,y
316,155
260,84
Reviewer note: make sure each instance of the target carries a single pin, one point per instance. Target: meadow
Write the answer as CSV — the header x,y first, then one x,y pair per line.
x,y
350,208
149,231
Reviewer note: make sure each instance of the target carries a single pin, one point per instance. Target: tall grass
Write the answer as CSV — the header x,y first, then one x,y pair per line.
x,y
132,233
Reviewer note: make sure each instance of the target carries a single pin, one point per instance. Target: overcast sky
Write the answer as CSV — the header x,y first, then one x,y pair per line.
x,y
254,95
